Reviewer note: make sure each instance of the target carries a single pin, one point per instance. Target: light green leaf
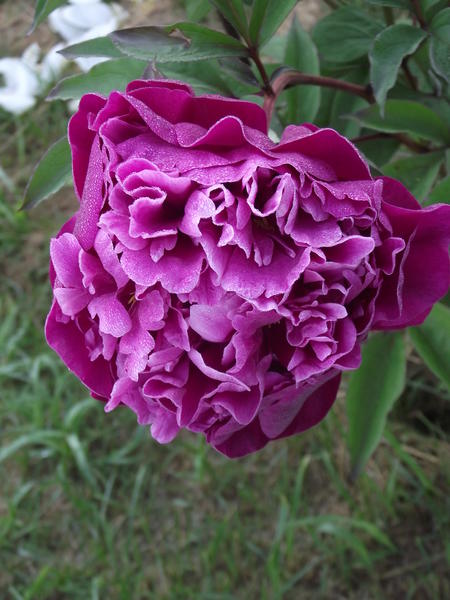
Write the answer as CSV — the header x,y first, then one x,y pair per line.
x,y
372,391
194,42
346,34
405,116
302,101
432,341
267,16
101,47
441,193
417,173
53,171
42,9
102,79
440,44
389,49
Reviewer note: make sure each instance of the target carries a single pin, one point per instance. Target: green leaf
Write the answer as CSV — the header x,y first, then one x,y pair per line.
x,y
101,47
52,172
441,193
378,151
234,13
392,3
266,18
389,49
205,76
196,10
343,103
440,44
405,116
302,101
417,173
43,437
43,9
102,79
372,391
432,341
193,42
345,35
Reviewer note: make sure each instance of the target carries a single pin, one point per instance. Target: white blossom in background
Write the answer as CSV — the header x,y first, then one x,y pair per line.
x,y
83,20
24,78
19,81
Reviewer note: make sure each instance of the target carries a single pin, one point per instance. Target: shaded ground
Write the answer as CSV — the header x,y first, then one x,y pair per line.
x,y
91,507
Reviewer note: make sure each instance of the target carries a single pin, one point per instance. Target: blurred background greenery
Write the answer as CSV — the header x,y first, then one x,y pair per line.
x,y
92,507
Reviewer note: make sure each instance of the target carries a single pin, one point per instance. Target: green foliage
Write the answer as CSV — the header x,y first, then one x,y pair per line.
x,y
371,393
440,44
417,172
389,49
102,78
159,45
302,101
43,8
346,35
267,16
432,342
405,116
53,171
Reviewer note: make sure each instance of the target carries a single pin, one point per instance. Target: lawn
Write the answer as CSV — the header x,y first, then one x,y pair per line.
x,y
92,508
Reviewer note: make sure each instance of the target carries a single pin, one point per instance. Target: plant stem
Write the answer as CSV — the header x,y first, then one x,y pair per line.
x,y
291,77
418,13
269,92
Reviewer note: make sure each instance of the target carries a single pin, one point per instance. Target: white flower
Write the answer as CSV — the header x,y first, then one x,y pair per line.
x,y
83,20
19,82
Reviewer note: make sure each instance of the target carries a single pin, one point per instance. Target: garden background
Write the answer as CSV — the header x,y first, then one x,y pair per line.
x,y
92,507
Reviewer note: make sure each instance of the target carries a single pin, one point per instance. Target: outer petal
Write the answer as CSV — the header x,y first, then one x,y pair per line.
x,y
68,341
422,273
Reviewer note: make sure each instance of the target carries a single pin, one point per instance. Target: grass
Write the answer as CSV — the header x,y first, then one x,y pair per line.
x,y
92,508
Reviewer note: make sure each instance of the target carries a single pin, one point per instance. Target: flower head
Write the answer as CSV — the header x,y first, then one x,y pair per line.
x,y
217,281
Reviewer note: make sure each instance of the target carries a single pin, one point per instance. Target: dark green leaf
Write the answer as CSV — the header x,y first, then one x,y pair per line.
x,y
345,35
53,171
392,3
389,49
372,391
302,101
240,71
405,116
431,7
440,44
102,47
193,42
441,193
234,13
343,103
417,173
102,78
267,16
432,341
197,10
43,8
379,152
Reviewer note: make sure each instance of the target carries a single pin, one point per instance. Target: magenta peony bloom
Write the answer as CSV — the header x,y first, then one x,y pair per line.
x,y
217,281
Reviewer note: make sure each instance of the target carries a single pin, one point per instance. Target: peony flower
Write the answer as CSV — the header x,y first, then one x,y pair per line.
x,y
216,281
